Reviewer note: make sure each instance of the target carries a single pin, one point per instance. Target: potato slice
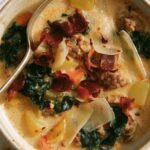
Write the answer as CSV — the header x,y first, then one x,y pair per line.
x,y
56,135
139,91
76,118
69,64
32,123
60,56
83,4
132,54
102,114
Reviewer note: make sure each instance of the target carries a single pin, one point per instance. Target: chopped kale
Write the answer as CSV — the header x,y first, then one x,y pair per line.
x,y
13,41
130,8
94,141
90,140
142,42
116,128
35,84
64,15
64,105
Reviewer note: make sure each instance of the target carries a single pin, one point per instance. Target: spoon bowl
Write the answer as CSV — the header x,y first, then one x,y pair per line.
x,y
29,52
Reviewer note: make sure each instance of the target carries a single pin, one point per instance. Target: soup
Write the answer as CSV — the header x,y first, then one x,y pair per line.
x,y
87,85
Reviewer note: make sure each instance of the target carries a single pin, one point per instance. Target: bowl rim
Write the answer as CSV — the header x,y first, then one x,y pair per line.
x,y
147,2
14,142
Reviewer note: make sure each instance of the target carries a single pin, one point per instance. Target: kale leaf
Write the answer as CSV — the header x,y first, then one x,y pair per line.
x,y
35,85
142,42
116,128
94,141
90,140
64,15
64,105
13,41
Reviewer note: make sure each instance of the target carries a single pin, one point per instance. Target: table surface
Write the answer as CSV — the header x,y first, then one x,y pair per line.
x,y
4,144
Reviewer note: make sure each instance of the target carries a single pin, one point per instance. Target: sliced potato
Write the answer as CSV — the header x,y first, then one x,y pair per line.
x,y
56,135
32,123
76,118
69,64
41,48
132,53
102,114
60,56
15,102
83,4
139,91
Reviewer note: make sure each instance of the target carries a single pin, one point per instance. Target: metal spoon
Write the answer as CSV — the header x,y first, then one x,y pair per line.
x,y
29,52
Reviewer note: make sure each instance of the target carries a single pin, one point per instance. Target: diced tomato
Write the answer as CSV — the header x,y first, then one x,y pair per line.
x,y
88,88
23,19
126,103
83,93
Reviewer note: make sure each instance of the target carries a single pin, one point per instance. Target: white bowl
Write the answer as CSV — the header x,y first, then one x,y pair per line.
x,y
14,7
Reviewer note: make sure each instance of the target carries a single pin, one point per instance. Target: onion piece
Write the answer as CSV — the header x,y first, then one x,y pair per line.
x,y
76,118
107,49
41,48
60,55
139,91
132,53
102,114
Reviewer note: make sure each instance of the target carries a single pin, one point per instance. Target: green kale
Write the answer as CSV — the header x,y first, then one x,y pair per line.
x,y
13,41
142,42
35,85
94,141
90,140
64,15
116,128
64,105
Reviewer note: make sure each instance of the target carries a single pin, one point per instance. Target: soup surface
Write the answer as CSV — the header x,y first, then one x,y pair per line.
x,y
87,85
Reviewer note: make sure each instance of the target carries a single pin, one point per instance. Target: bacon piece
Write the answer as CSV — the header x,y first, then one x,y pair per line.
x,y
78,22
83,93
65,28
75,24
88,88
62,83
109,62
126,103
51,38
16,86
42,59
90,65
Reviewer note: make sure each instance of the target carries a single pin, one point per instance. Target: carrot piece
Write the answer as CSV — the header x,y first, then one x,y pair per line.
x,y
44,144
76,75
23,19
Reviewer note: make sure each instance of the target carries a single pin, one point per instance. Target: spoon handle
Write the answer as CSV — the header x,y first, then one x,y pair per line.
x,y
21,66
3,3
